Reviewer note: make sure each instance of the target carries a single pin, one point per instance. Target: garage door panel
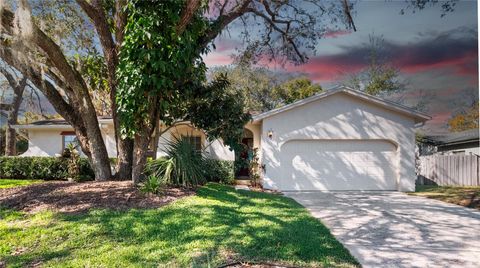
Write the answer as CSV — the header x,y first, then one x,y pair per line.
x,y
337,165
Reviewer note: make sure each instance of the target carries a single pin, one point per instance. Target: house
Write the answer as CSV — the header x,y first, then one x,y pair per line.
x,y
341,139
51,137
459,143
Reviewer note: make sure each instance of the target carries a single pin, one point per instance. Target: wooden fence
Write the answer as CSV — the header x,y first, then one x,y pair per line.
x,y
462,170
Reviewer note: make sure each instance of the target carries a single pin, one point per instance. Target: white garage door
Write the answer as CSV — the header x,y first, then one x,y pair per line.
x,y
337,165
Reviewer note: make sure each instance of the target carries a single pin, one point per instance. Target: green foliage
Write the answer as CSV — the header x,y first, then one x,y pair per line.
x,y
465,120
262,89
296,89
73,162
152,185
252,84
158,68
240,162
221,171
216,226
255,168
379,77
162,74
42,168
182,166
219,112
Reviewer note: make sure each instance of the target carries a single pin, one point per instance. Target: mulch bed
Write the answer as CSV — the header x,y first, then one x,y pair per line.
x,y
71,197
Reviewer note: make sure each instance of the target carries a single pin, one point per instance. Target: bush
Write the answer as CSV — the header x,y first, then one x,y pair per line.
x,y
41,168
183,165
221,171
152,185
214,170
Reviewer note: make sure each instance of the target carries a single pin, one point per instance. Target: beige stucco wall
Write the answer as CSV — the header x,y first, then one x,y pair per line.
x,y
339,117
213,148
44,142
48,141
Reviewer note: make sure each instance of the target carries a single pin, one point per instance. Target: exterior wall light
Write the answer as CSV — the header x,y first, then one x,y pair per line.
x,y
270,133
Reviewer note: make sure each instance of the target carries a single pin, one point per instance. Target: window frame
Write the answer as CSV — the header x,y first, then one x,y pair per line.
x,y
68,134
195,140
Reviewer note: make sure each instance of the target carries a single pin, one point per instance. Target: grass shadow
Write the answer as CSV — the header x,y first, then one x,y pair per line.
x,y
217,226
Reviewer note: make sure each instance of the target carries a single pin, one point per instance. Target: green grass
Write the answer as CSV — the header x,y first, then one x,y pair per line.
x,y
217,226
463,196
9,183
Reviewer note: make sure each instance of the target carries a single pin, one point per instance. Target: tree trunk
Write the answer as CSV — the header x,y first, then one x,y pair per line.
x,y
139,157
124,159
10,141
10,134
99,159
141,142
124,146
156,138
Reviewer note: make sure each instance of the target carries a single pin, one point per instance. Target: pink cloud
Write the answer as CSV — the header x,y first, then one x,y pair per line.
x,y
464,65
440,118
336,33
215,58
326,68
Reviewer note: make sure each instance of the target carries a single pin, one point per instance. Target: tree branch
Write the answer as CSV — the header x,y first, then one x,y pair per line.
x,y
120,22
346,10
67,111
187,14
223,20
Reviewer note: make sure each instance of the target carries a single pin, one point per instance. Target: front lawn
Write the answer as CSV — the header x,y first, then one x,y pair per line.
x,y
463,196
8,183
217,226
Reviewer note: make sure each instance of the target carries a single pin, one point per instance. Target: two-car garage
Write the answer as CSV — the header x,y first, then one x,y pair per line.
x,y
339,140
338,165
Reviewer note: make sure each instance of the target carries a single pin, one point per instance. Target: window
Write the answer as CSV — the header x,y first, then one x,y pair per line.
x,y
196,141
69,138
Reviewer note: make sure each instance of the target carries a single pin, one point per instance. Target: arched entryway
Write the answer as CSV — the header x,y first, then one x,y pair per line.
x,y
243,158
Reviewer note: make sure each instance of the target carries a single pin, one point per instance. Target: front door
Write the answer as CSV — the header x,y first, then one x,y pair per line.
x,y
245,157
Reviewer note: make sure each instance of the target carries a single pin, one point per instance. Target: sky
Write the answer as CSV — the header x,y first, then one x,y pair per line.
x,y
437,56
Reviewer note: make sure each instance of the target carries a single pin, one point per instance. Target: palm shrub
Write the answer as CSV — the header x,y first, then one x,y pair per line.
x,y
152,185
183,165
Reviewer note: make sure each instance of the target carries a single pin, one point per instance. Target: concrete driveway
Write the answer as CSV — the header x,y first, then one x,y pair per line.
x,y
392,229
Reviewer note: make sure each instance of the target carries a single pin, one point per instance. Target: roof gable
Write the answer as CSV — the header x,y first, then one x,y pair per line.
x,y
418,116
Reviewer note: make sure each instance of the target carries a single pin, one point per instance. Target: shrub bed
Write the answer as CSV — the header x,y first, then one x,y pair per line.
x,y
41,168
221,171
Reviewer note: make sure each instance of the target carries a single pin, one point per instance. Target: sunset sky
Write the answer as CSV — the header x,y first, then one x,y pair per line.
x,y
437,56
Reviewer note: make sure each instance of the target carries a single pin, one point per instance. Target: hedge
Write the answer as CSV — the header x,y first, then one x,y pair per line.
x,y
219,171
41,168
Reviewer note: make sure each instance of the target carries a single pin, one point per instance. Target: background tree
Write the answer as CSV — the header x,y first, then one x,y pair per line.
x,y
263,89
252,84
19,87
378,77
41,49
296,89
465,120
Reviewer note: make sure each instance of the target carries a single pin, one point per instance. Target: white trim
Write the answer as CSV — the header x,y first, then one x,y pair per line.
x,y
421,117
54,126
42,126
